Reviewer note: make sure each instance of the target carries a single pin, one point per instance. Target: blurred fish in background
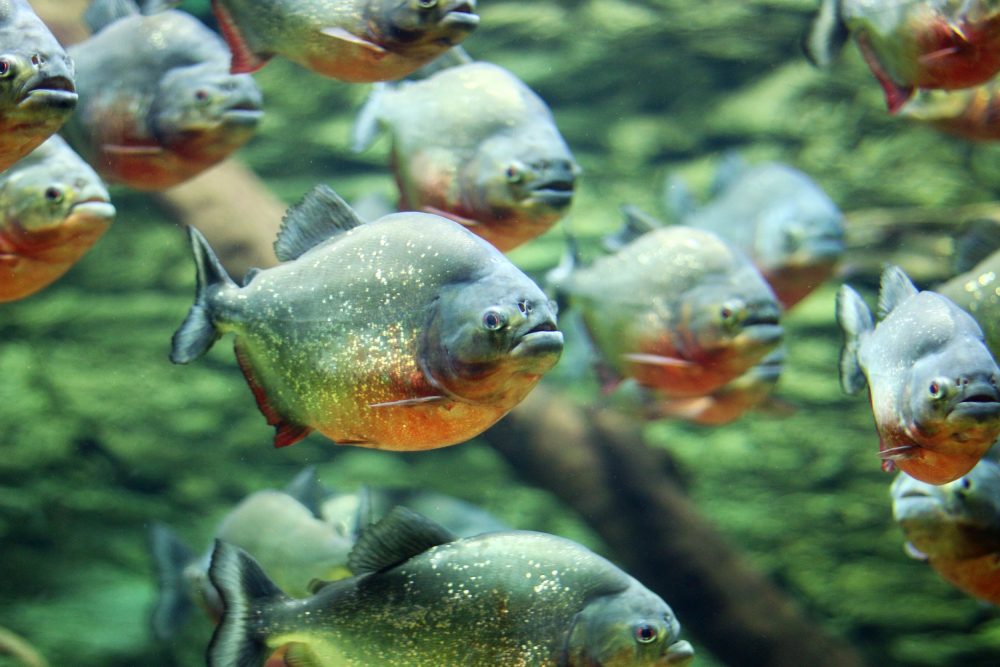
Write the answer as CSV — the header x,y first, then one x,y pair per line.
x,y
157,102
350,40
955,527
473,143
53,208
777,215
931,378
37,89
676,308
911,44
972,114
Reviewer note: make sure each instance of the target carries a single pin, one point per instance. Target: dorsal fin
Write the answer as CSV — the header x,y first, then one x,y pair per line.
x,y
307,489
895,289
678,200
728,172
150,7
102,13
398,536
636,223
321,215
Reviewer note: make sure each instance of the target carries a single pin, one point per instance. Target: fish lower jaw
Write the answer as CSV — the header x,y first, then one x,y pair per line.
x,y
49,98
537,343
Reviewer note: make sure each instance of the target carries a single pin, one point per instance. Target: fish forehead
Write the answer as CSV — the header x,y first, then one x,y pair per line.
x,y
922,324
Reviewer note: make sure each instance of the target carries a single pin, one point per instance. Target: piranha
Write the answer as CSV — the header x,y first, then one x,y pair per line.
x,y
422,598
53,208
37,90
972,114
352,40
932,380
294,544
911,44
955,527
977,288
157,102
789,227
750,391
473,143
677,309
404,333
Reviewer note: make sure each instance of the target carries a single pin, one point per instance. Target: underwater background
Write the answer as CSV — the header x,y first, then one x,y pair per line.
x,y
100,434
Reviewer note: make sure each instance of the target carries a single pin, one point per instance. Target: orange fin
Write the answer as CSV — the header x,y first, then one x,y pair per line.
x,y
339,33
895,94
286,433
118,149
465,222
244,60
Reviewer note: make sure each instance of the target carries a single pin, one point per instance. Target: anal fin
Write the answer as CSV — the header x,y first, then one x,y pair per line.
x,y
286,432
244,60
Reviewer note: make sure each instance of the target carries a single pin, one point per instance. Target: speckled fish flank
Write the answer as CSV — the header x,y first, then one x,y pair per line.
x,y
931,378
473,143
351,40
404,333
37,89
506,598
53,208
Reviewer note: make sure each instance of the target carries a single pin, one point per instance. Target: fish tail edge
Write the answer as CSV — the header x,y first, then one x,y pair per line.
x,y
854,318
173,603
198,332
244,588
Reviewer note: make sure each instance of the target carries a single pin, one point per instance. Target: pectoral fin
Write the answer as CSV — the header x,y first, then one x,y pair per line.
x,y
465,222
131,151
339,33
408,402
657,360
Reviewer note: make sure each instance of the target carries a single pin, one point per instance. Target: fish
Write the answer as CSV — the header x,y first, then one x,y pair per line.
x,y
955,527
975,288
912,44
404,333
158,105
750,391
294,544
972,113
781,218
473,143
358,41
423,598
53,208
677,309
931,379
37,82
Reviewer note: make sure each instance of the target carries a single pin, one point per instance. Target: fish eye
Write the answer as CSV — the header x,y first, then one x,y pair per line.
x,y
645,633
427,4
6,68
964,483
514,174
935,389
494,320
53,194
201,95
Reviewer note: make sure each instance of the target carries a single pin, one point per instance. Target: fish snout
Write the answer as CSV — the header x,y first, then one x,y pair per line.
x,y
974,398
679,654
540,334
554,182
461,16
50,83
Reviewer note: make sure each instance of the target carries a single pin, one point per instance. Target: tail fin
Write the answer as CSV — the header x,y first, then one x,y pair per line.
x,y
173,603
244,588
197,333
827,34
367,123
854,318
557,277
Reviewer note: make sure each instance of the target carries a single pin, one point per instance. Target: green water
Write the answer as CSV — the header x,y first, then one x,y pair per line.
x,y
100,434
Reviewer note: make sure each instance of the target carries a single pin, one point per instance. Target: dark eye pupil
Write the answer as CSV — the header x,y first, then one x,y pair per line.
x,y
4,67
53,194
935,388
727,313
645,633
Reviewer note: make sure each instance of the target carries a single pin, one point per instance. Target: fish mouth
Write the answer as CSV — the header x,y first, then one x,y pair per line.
x,y
244,113
95,209
679,654
542,339
980,402
52,91
762,330
555,194
461,17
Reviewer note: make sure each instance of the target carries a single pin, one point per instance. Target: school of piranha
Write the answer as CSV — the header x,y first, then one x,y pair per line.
x,y
413,331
